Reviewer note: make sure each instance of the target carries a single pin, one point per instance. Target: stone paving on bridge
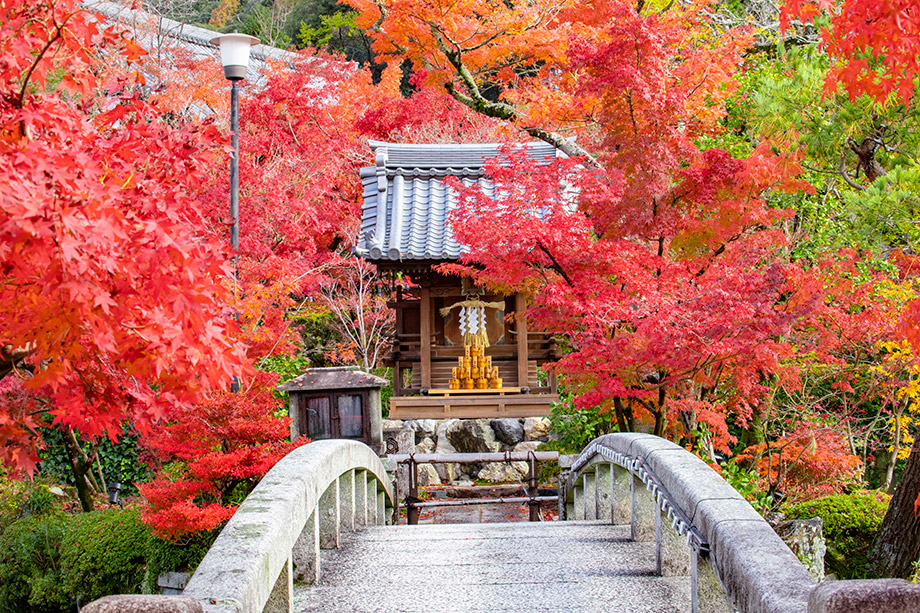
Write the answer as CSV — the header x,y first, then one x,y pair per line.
x,y
501,567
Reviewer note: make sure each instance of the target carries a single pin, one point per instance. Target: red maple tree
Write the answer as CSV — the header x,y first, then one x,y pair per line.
x,y
113,298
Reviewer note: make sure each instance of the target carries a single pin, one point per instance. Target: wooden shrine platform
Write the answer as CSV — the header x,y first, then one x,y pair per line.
x,y
476,405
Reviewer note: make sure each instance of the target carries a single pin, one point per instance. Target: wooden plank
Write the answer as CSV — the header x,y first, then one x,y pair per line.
x,y
425,316
450,392
520,308
443,407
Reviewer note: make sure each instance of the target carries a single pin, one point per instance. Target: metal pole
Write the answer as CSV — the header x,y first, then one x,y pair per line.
x,y
235,190
235,168
533,487
411,500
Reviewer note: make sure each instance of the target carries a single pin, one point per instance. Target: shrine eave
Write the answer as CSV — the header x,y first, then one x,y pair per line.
x,y
407,201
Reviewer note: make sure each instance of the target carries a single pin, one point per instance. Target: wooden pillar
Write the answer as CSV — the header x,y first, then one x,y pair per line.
x,y
425,325
520,308
400,329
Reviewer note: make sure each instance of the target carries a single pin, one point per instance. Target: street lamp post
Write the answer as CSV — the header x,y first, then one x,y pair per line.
x,y
234,55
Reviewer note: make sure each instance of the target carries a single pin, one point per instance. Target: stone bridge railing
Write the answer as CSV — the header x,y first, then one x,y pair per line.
x,y
275,536
703,528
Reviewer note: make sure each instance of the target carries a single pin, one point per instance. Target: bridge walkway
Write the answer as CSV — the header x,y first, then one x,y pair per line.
x,y
500,567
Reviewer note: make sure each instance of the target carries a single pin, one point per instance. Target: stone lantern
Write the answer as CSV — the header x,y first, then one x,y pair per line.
x,y
338,402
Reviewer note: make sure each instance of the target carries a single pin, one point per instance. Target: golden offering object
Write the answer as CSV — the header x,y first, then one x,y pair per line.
x,y
474,369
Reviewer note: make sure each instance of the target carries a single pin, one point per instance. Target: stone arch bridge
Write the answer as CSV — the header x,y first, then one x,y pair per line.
x,y
650,528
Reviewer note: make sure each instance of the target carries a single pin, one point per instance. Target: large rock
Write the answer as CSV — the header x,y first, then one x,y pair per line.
x,y
805,538
427,475
503,472
442,442
536,428
424,428
527,446
392,424
425,446
447,472
473,436
508,430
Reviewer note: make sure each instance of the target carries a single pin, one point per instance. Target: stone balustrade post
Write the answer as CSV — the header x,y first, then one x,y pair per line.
x,y
672,553
371,502
329,514
281,600
604,495
347,500
360,498
622,497
382,518
305,554
859,595
644,510
578,494
707,595
589,488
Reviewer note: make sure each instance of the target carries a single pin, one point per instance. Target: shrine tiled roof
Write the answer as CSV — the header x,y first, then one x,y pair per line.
x,y
406,200
336,377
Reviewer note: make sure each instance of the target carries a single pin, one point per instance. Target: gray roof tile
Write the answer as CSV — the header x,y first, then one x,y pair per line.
x,y
407,204
337,377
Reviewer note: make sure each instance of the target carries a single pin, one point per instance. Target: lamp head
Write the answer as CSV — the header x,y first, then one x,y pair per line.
x,y
114,489
234,53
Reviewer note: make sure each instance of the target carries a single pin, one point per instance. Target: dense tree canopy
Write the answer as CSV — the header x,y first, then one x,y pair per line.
x,y
113,301
727,254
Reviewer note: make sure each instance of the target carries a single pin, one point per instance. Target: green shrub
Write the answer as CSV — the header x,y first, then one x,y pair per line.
x,y
48,560
747,483
578,427
103,553
850,524
23,497
30,565
166,556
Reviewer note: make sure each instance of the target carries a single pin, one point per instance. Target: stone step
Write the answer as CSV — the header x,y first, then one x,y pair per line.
x,y
541,566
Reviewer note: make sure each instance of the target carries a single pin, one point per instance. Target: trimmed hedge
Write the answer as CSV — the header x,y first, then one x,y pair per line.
x,y
850,524
103,553
50,560
30,569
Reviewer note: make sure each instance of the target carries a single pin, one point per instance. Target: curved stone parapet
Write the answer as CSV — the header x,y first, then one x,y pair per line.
x,y
275,535
706,530
674,496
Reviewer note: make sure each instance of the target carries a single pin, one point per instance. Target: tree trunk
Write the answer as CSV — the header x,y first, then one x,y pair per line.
x,y
897,544
624,414
661,414
80,465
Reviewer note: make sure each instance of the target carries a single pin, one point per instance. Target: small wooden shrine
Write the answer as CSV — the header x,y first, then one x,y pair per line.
x,y
338,402
457,352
